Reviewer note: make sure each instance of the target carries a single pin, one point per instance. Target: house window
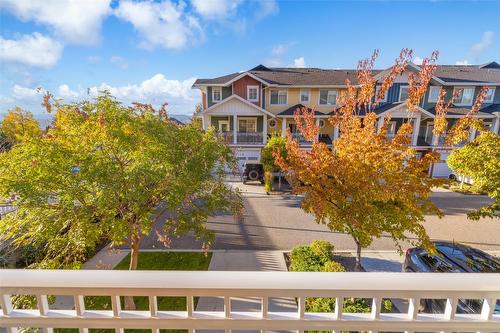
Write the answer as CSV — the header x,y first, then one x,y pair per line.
x,y
490,94
247,125
253,93
272,123
327,97
377,89
216,94
403,93
279,97
224,126
434,94
304,95
463,96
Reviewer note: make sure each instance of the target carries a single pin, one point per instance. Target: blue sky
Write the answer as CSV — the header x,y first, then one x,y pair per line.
x,y
152,51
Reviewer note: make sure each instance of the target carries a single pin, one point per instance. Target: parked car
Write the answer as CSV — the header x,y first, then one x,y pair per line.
x,y
253,172
451,258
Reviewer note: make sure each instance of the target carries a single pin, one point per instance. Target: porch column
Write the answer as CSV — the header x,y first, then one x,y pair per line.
x,y
235,129
435,139
283,127
416,128
264,130
496,124
205,120
317,124
472,134
336,132
380,123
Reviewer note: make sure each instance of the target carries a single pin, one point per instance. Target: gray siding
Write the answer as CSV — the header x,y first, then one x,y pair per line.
x,y
226,92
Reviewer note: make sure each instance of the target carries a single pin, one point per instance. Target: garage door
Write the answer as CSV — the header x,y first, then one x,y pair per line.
x,y
441,169
247,155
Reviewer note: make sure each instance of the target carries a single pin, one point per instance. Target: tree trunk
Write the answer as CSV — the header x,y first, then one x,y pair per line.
x,y
357,268
134,259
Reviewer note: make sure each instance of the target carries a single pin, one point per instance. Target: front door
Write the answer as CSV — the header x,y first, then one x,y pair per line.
x,y
223,126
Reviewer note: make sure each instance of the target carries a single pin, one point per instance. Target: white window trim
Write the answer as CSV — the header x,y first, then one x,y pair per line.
x,y
213,94
472,99
248,118
278,90
248,93
377,88
275,123
390,124
326,104
492,95
308,95
400,89
437,97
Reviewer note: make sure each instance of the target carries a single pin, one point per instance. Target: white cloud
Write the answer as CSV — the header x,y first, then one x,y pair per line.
x,y
462,62
299,62
417,60
215,9
160,24
76,21
279,50
485,42
34,50
26,94
65,92
119,61
94,59
266,8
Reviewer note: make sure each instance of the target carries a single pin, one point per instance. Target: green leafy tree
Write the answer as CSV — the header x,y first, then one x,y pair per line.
x,y
480,159
106,170
18,125
275,145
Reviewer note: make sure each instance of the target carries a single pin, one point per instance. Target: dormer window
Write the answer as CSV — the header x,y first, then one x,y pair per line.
x,y
216,94
253,93
463,96
490,95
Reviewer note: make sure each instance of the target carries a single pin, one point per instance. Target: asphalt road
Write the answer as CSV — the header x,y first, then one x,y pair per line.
x,y
276,222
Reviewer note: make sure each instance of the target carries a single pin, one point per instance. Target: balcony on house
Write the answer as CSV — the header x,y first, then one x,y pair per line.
x,y
250,137
263,290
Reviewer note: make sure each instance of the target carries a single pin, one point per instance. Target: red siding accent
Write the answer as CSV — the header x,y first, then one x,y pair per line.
x,y
240,87
204,101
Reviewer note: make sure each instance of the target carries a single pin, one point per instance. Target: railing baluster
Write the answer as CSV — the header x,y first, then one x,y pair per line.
x,y
451,308
413,308
6,304
265,307
80,310
488,308
43,308
376,304
227,306
189,306
116,305
339,307
302,307
153,306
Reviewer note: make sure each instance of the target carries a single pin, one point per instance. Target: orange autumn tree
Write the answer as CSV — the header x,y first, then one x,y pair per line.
x,y
367,185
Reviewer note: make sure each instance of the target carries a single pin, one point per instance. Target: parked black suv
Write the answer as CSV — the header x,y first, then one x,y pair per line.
x,y
253,172
451,258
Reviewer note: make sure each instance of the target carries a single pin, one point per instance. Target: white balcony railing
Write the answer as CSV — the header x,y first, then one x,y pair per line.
x,y
250,137
262,285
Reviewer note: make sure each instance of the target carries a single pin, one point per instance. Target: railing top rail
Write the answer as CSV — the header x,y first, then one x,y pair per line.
x,y
258,281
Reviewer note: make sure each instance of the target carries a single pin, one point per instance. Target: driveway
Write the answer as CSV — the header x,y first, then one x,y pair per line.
x,y
276,222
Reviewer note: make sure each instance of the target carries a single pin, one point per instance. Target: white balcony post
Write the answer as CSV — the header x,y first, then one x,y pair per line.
x,y
496,124
435,139
235,129
336,132
380,123
317,124
416,128
205,119
264,130
283,127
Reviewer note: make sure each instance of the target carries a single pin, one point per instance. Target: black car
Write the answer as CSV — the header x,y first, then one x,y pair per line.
x,y
253,172
451,258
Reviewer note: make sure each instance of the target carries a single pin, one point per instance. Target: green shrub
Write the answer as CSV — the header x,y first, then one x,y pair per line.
x,y
303,259
323,249
333,266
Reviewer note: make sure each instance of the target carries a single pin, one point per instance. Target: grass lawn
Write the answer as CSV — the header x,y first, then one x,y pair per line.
x,y
161,261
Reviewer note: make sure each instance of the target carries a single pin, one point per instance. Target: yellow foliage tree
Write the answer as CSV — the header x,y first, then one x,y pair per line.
x,y
19,124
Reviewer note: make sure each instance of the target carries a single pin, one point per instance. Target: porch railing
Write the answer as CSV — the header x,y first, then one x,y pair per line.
x,y
261,285
250,137
228,136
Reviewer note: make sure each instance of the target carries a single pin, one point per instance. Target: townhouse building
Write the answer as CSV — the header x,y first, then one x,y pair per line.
x,y
247,107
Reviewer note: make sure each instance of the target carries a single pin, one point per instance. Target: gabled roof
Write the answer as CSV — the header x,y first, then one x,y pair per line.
x,y
242,100
291,111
